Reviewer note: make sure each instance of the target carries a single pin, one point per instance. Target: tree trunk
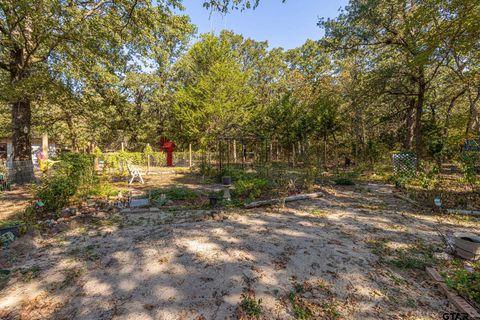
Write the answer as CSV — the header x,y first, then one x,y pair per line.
x,y
474,121
21,123
359,129
22,147
409,126
418,118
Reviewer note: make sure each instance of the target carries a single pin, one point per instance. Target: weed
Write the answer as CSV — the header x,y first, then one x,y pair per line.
x,y
345,179
319,213
330,310
300,311
71,275
379,246
418,256
250,188
466,283
251,307
30,273
173,193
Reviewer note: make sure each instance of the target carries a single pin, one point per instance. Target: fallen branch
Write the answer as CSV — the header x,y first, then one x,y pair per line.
x,y
455,299
399,196
466,212
262,203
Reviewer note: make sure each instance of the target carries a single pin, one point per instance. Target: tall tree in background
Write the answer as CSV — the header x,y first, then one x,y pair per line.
x,y
40,40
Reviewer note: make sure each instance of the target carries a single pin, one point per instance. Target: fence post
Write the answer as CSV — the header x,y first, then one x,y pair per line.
x,y
234,151
190,154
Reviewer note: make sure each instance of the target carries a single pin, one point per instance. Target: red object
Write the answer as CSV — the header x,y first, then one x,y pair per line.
x,y
168,147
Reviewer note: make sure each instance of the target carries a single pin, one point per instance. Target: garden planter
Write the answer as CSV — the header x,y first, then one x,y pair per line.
x,y
226,180
467,246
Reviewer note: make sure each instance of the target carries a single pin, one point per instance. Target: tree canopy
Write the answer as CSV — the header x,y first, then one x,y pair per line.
x,y
387,75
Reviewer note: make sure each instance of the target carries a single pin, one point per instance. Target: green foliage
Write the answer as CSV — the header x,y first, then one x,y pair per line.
x,y
430,178
251,307
418,256
465,283
345,179
147,150
71,172
468,161
100,190
10,223
174,193
299,310
97,152
250,188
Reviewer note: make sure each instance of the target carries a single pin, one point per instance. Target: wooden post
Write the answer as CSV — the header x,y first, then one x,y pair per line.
x,y
45,145
123,147
234,151
293,154
148,161
190,155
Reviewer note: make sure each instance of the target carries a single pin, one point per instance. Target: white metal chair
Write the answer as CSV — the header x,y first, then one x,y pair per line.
x,y
134,173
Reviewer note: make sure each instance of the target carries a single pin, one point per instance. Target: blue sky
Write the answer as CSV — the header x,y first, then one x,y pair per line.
x,y
285,25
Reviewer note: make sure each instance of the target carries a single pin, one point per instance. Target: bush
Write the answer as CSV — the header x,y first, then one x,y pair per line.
x,y
344,179
174,193
468,161
72,171
250,188
466,283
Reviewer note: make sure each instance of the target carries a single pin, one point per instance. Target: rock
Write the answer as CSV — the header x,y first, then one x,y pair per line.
x,y
68,212
7,238
101,214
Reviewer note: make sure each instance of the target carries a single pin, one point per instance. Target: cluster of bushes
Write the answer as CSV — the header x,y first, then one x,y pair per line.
x,y
69,173
465,282
114,160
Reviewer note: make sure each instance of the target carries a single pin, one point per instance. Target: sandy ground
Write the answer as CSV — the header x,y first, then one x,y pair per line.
x,y
134,266
12,203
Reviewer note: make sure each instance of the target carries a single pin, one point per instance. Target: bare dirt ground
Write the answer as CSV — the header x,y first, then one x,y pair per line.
x,y
13,202
314,255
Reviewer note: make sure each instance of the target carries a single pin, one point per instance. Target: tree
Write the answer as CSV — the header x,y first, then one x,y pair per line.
x,y
46,40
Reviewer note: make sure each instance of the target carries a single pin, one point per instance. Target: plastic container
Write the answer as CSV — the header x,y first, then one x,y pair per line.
x,y
467,245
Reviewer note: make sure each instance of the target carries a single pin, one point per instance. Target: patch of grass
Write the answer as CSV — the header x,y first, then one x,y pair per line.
x,y
173,193
406,262
396,279
250,188
345,179
330,310
379,246
31,273
71,276
465,282
300,310
10,223
319,213
251,307
418,256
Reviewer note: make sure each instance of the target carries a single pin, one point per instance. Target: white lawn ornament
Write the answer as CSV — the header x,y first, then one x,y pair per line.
x,y
134,173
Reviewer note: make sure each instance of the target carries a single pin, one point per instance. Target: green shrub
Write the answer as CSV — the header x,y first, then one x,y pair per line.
x,y
72,171
174,193
468,162
251,307
55,192
250,188
466,283
345,179
10,223
430,178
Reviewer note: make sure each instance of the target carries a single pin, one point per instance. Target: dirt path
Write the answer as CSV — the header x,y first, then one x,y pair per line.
x,y
312,255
